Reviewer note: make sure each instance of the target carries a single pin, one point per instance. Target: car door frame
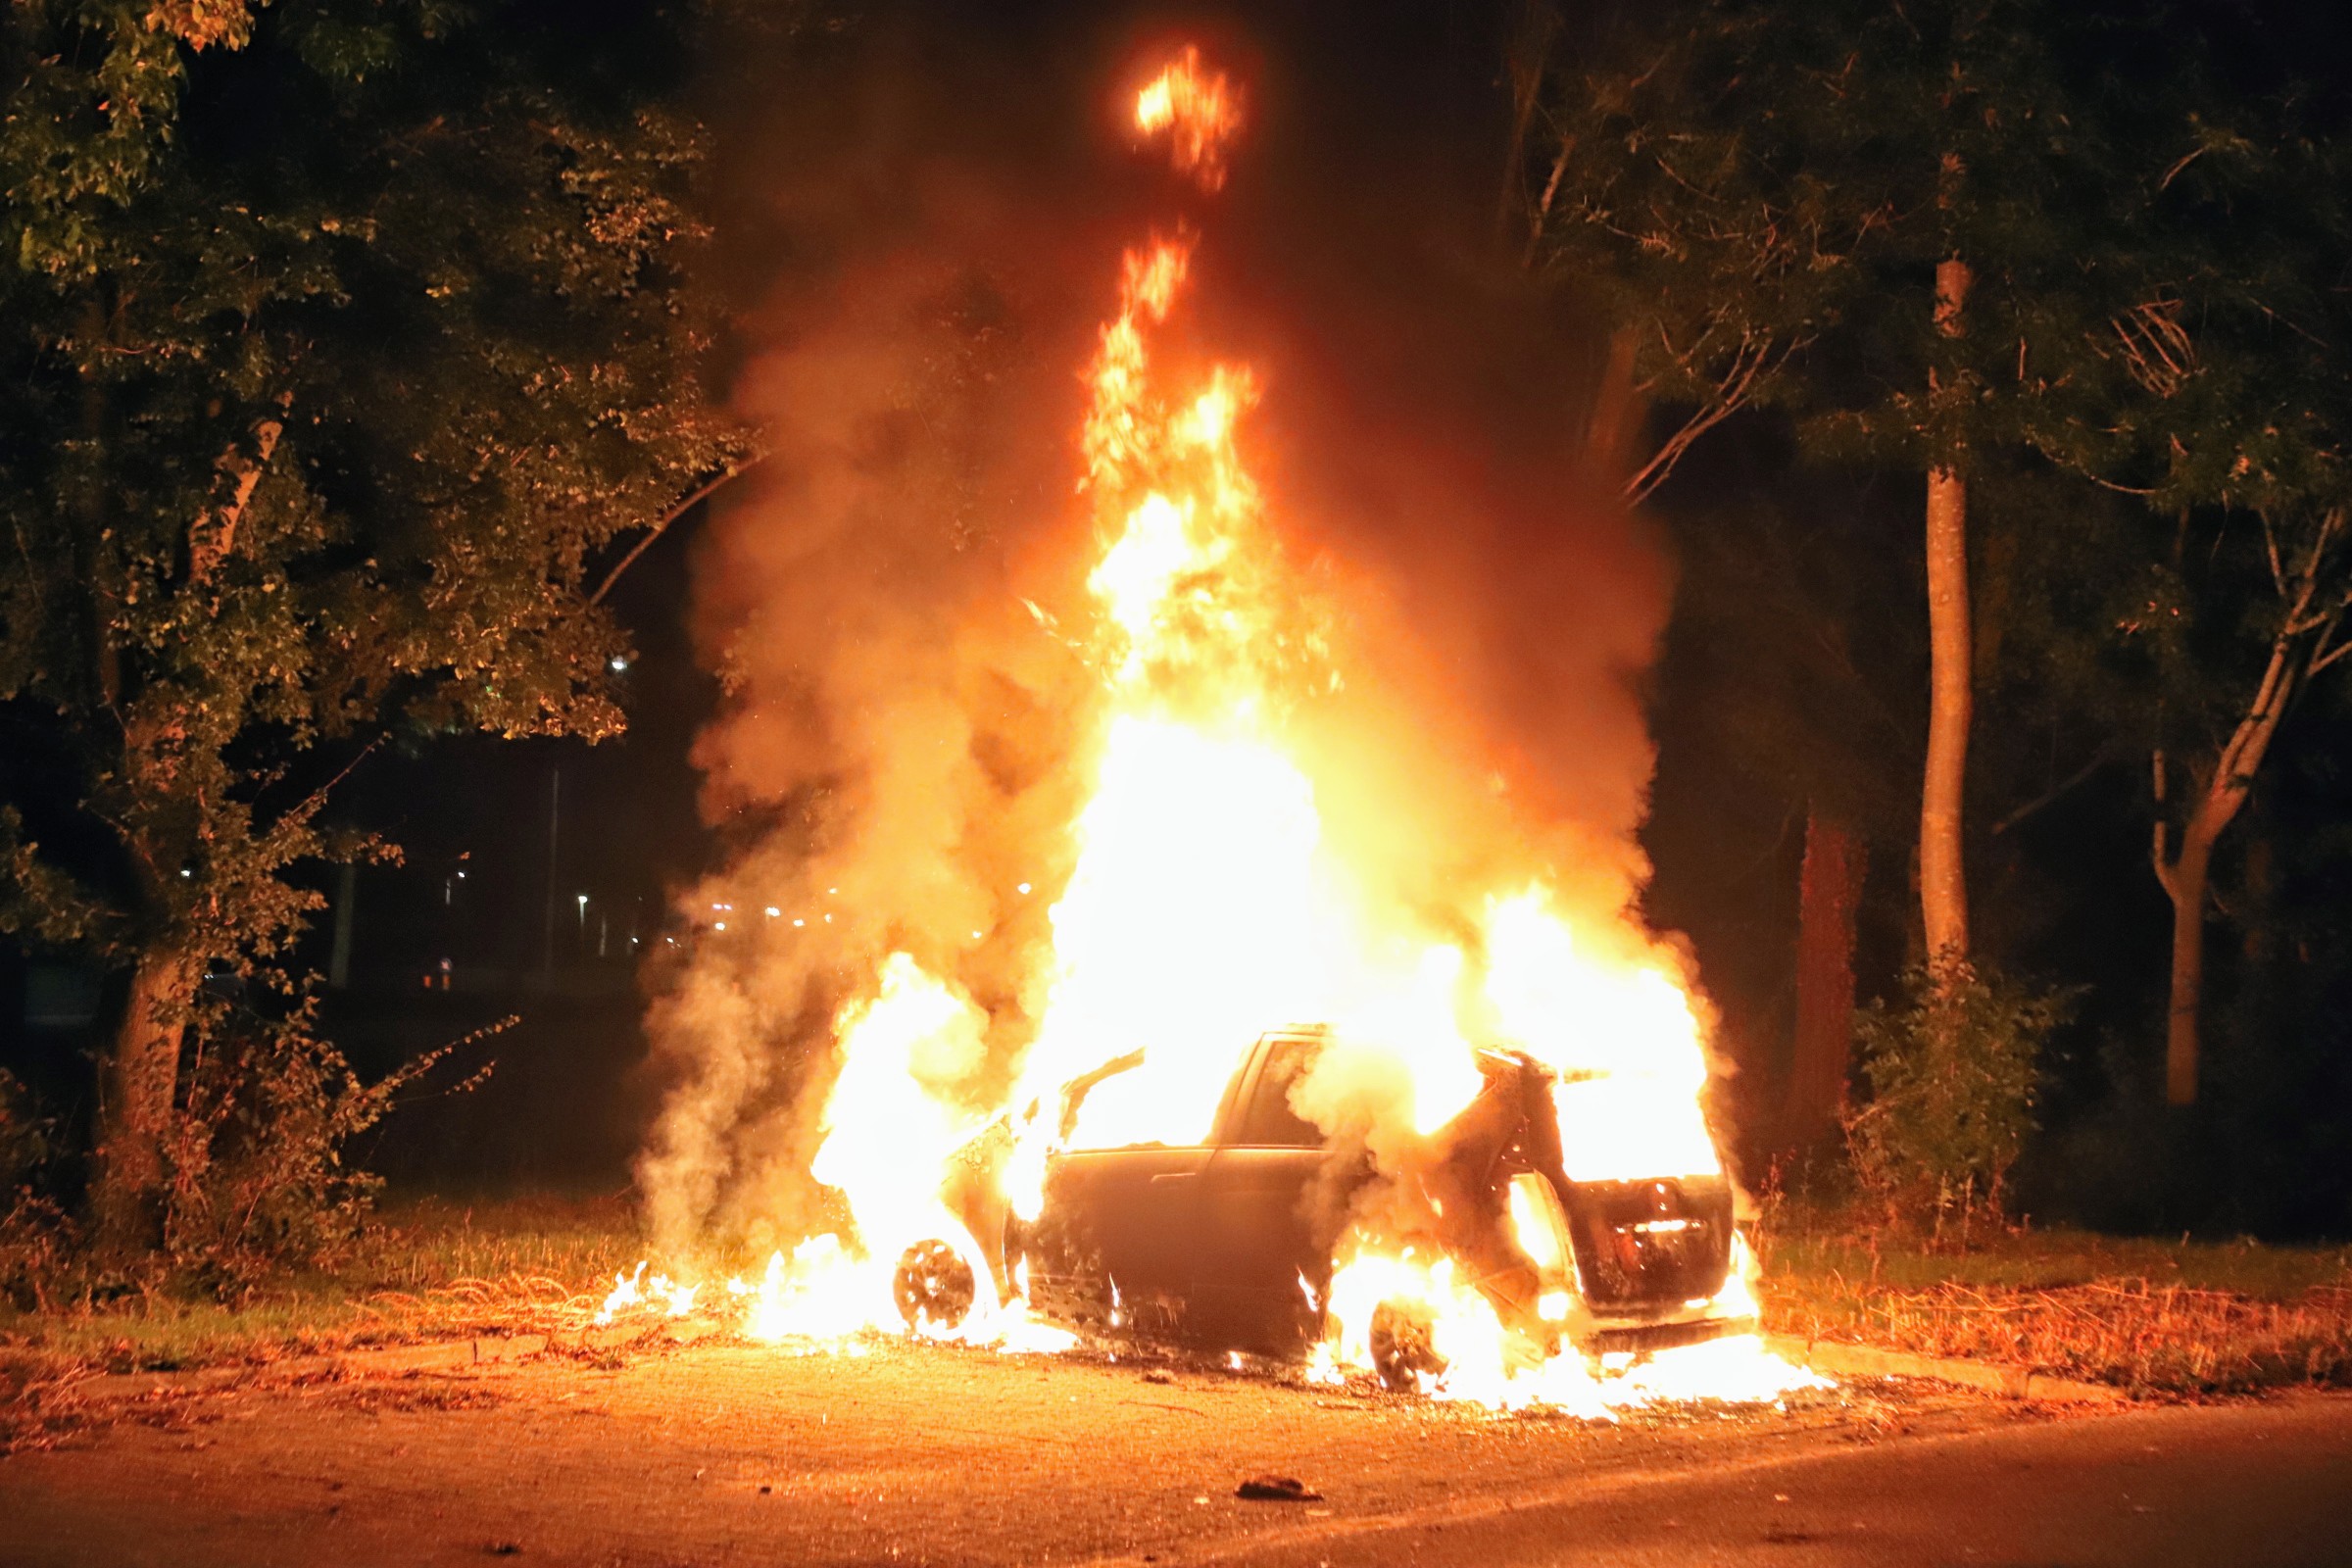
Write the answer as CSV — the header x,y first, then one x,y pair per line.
x,y
1258,1275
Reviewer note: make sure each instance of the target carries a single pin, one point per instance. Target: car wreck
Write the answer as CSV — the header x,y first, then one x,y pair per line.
x,y
1229,1244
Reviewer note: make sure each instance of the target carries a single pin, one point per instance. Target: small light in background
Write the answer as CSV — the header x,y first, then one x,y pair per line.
x,y
1023,888
773,912
619,664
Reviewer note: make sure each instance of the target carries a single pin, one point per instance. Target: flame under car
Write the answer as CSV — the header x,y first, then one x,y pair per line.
x,y
1229,1244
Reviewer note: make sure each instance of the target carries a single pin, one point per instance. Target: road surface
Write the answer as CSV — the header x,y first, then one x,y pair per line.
x,y
726,1453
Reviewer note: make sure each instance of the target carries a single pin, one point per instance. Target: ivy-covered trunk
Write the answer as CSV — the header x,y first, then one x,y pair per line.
x,y
141,1073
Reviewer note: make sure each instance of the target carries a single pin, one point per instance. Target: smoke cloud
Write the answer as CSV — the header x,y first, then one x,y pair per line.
x,y
891,599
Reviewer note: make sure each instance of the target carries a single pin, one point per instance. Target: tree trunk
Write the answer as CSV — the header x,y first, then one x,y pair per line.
x,y
2258,903
2184,875
140,1077
1616,412
1942,879
2185,882
1829,890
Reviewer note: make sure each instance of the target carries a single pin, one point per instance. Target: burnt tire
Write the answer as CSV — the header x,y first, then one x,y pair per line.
x,y
934,1287
1404,1346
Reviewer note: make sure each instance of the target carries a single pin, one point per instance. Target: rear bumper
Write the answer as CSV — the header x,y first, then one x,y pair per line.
x,y
1645,1338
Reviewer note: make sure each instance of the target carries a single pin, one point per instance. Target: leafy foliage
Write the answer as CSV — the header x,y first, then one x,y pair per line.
x,y
31,1225
26,1135
1953,1073
2149,393
329,384
255,1179
1762,193
344,337
1759,195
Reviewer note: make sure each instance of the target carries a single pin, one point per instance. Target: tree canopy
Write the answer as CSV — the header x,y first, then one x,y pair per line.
x,y
2136,299
343,337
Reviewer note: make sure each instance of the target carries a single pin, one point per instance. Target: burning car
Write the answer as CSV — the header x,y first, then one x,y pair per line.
x,y
1261,803
1233,1243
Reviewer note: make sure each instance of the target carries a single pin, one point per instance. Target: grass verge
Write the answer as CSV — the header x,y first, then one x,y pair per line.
x,y
2154,1317
425,1271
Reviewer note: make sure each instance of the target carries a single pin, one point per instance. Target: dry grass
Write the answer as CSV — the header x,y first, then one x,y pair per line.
x,y
2153,1317
432,1270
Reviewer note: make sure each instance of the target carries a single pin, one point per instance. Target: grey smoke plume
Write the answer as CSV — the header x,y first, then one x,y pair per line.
x,y
889,738
897,753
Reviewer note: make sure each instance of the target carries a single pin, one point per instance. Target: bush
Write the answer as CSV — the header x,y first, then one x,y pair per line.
x,y
1953,1072
255,1180
26,1135
254,1176
32,1233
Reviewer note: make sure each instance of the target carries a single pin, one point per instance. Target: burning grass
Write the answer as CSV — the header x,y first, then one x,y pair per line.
x,y
2160,1319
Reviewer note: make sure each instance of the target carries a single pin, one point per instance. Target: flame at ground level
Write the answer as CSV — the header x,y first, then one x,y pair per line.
x,y
817,1301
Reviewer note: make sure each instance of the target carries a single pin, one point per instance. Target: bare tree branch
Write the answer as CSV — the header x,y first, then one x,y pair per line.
x,y
1748,363
1543,208
700,495
2098,759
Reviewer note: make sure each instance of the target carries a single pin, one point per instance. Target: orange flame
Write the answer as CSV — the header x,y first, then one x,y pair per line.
x,y
1199,109
1207,903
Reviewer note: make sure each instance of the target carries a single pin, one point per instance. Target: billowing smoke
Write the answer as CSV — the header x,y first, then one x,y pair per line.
x,y
894,602
888,749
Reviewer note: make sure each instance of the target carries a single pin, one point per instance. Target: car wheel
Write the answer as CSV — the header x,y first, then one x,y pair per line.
x,y
1403,1345
934,1287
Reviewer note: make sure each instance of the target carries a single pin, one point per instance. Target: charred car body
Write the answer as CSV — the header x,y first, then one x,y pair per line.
x,y
1229,1244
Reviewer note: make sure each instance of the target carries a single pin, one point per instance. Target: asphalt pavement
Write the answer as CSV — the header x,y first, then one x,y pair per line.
x,y
722,1453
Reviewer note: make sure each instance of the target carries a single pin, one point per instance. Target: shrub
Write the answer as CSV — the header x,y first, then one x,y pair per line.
x,y
26,1135
254,1179
254,1176
1952,1069
33,1235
